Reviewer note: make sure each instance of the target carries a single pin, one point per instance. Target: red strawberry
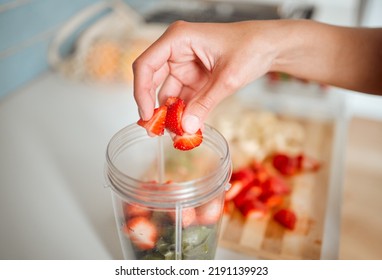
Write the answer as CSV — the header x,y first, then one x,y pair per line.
x,y
291,165
261,173
209,213
171,100
285,164
142,232
286,218
254,209
133,210
175,107
155,125
274,186
188,216
273,201
188,141
249,194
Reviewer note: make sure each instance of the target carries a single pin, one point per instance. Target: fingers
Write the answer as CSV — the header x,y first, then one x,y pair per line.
x,y
150,70
203,103
171,87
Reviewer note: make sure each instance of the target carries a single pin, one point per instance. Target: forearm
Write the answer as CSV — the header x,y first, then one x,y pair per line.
x,y
344,57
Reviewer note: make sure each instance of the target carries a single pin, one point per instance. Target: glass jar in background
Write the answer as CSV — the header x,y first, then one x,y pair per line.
x,y
168,204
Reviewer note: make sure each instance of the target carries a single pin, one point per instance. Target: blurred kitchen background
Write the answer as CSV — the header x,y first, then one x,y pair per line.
x,y
65,89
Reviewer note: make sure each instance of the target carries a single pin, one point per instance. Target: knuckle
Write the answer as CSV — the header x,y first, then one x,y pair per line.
x,y
230,79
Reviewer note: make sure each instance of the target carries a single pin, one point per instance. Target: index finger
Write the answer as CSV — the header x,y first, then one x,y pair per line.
x,y
144,68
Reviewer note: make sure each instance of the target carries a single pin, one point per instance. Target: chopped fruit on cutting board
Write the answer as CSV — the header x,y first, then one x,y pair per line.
x,y
169,117
260,188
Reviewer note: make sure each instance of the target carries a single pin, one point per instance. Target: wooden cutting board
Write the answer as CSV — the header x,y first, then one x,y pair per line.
x,y
264,238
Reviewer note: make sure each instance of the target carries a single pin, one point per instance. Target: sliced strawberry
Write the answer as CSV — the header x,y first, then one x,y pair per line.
x,y
171,100
209,213
275,185
175,107
188,216
133,210
273,201
292,165
253,209
251,193
155,126
142,232
286,165
188,141
286,218
260,171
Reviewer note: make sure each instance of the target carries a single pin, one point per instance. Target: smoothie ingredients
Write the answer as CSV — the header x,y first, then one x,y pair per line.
x,y
156,125
286,218
169,117
152,233
261,188
142,232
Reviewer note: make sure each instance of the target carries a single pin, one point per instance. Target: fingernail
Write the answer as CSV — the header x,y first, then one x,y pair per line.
x,y
191,124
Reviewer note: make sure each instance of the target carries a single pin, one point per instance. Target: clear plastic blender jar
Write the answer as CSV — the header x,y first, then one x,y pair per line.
x,y
168,203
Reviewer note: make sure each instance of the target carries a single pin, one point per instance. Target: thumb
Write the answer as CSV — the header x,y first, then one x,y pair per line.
x,y
198,108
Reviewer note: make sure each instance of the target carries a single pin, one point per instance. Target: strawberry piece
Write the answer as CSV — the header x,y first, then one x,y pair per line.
x,y
292,165
142,232
286,218
273,201
251,193
133,210
253,209
209,213
261,173
171,100
188,216
275,185
155,126
175,107
285,164
188,141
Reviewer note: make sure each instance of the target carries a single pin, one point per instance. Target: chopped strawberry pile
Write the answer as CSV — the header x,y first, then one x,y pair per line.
x,y
261,188
169,117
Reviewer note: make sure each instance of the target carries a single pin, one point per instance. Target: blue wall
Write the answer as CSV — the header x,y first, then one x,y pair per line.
x,y
26,30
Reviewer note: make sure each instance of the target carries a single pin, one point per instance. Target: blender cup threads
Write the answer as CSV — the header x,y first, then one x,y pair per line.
x,y
168,203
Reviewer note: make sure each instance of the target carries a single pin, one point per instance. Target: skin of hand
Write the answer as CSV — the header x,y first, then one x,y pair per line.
x,y
203,63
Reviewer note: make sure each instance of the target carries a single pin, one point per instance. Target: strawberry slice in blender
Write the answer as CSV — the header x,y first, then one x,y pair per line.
x,y
188,141
133,210
188,216
209,213
286,218
142,232
156,125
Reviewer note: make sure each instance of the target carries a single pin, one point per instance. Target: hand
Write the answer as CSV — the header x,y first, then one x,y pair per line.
x,y
202,63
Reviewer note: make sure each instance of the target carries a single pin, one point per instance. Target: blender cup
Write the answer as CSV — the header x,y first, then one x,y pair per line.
x,y
168,204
